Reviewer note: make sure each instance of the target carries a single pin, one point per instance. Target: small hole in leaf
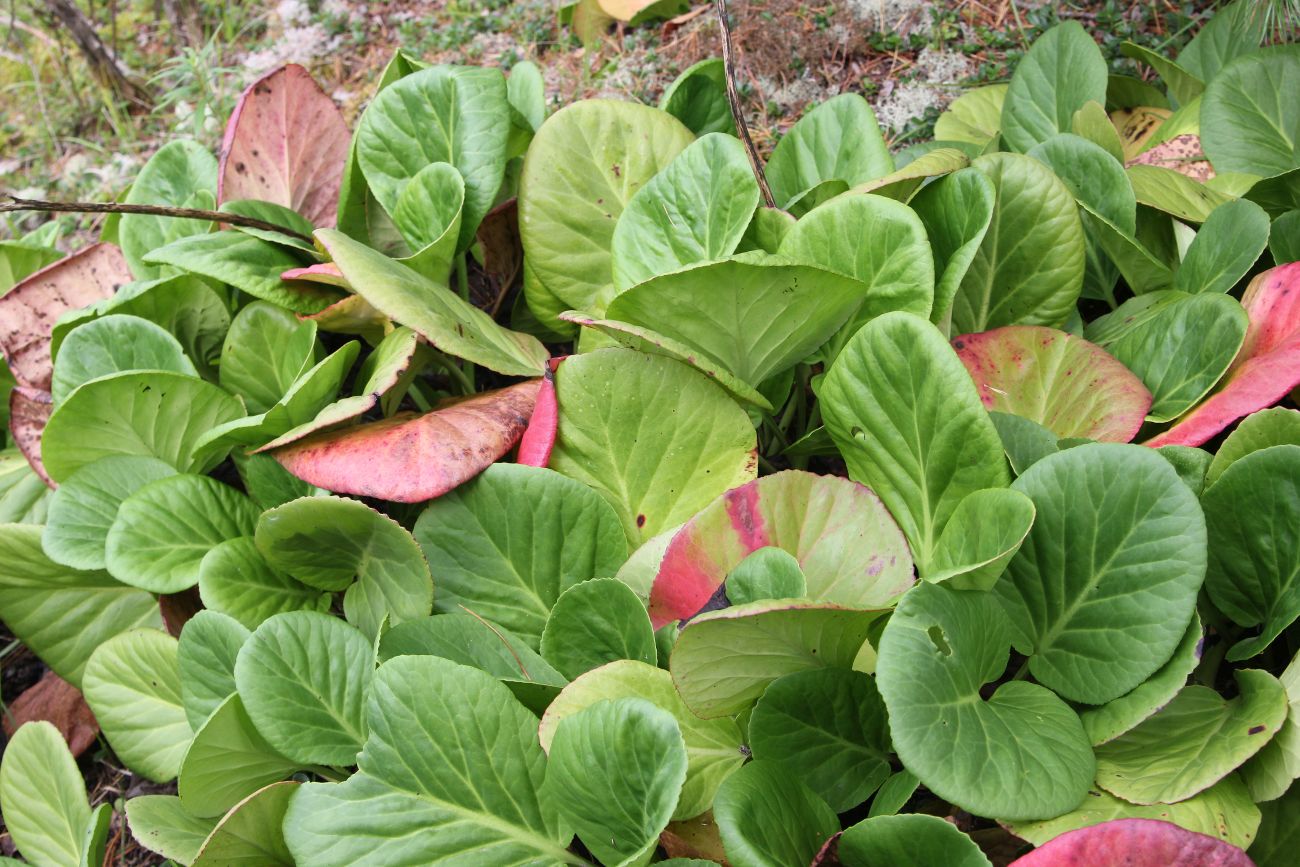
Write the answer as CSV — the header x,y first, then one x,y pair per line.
x,y
939,641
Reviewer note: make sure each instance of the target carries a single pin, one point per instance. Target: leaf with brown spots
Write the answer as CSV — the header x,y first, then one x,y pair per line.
x,y
1182,153
58,702
29,410
29,310
286,143
1136,126
410,458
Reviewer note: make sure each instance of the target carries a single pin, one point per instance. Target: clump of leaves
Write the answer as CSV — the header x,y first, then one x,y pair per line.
x,y
562,503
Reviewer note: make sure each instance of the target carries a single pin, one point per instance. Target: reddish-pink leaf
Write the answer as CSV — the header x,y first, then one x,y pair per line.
x,y
410,458
1134,843
286,143
59,703
29,410
848,545
539,438
322,272
29,310
1266,367
1066,384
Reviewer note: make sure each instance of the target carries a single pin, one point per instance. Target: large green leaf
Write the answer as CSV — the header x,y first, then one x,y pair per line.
x,y
112,344
1029,268
236,580
1101,591
508,543
904,413
181,174
251,834
1224,249
769,820
1277,426
1183,84
1271,771
163,530
908,841
206,652
829,727
84,507
147,413
438,781
227,761
655,439
1021,753
444,114
1192,742
62,614
596,622
1253,516
956,210
695,210
1062,71
614,774
1094,176
160,824
43,797
1173,193
837,140
133,684
714,747
266,349
304,677
1248,124
429,215
1234,30
982,535
583,167
975,116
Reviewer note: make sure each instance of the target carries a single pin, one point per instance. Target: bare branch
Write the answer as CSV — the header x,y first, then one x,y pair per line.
x,y
729,67
16,204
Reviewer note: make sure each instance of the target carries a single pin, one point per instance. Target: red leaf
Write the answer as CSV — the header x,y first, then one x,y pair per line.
x,y
58,702
29,310
539,438
410,458
1134,843
286,143
178,608
1267,365
29,410
323,272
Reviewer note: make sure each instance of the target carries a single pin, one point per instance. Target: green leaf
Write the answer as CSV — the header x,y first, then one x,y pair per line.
x,y
444,114
1029,267
714,747
837,140
84,507
163,531
236,580
1269,427
160,824
582,168
596,622
247,263
133,685
1271,771
1192,742
1174,193
614,774
251,834
268,483
94,839
768,573
894,793
59,613
975,116
828,727
428,214
1279,833
1179,345
902,183
1101,591
206,653
508,543
1234,30
438,780
655,439
278,215
1253,516
769,820
156,414
724,660
1062,71
526,90
180,174
1191,464
695,210
43,797
1183,84
19,260
1094,176
1225,248
956,211
266,349
1108,721
304,677
433,311
1092,123
884,400
1246,123
1019,754
24,498
984,532
227,761
112,344
1223,810
698,98
908,841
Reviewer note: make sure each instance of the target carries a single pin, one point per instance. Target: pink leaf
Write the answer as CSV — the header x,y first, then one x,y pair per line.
x,y
323,272
1134,843
286,143
410,458
1063,382
1266,367
29,310
849,547
29,410
538,440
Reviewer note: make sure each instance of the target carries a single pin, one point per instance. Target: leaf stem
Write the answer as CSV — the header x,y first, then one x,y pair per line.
x,y
17,204
334,775
466,382
733,99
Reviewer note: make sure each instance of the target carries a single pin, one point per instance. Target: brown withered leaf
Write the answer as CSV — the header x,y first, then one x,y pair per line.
x,y
694,838
58,702
1182,153
29,410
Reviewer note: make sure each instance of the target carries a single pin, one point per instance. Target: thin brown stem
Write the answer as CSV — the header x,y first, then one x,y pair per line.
x,y
729,67
17,204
